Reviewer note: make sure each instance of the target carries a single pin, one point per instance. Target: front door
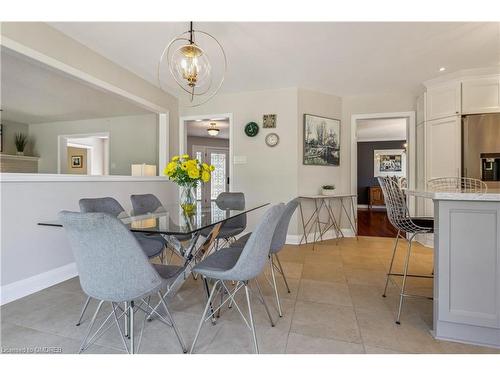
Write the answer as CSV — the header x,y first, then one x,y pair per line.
x,y
219,158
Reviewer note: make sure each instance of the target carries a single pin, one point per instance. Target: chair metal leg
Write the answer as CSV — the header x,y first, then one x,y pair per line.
x,y
122,335
207,290
84,308
131,332
264,302
392,262
282,272
405,275
252,324
212,294
174,326
275,287
91,325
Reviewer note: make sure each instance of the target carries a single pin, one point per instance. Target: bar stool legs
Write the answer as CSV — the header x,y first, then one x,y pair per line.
x,y
405,275
392,262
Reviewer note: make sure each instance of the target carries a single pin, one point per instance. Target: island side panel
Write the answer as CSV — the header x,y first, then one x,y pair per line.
x,y
467,286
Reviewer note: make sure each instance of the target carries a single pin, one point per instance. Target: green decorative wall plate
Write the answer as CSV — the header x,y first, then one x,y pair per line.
x,y
251,129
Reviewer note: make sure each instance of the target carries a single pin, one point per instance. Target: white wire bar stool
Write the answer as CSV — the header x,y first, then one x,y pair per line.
x,y
399,216
457,184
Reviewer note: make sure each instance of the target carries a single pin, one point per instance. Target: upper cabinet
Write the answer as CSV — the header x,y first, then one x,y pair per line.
x,y
443,100
481,95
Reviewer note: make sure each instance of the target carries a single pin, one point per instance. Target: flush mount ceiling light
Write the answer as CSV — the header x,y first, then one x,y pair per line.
x,y
198,76
442,69
213,130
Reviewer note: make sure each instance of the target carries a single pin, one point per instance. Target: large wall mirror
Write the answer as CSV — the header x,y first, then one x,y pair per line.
x,y
55,123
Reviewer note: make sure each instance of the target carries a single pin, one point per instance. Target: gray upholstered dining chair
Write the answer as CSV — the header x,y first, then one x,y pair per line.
x,y
277,244
143,204
231,265
399,217
234,226
113,268
153,246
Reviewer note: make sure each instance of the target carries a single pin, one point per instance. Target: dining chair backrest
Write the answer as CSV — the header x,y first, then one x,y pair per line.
x,y
279,237
254,255
110,262
233,201
457,184
107,205
146,204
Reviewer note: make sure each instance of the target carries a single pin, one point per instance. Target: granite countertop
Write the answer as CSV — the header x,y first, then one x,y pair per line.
x,y
492,195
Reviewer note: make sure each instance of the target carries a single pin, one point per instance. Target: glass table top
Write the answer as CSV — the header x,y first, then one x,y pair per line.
x,y
170,219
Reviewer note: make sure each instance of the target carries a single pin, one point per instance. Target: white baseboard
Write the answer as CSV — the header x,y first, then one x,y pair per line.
x,y
425,239
33,284
294,239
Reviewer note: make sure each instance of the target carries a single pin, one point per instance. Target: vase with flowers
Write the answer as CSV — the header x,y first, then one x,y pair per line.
x,y
188,173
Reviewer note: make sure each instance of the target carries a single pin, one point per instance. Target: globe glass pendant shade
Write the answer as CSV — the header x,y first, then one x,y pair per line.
x,y
191,68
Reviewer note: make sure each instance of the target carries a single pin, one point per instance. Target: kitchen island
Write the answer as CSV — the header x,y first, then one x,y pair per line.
x,y
466,266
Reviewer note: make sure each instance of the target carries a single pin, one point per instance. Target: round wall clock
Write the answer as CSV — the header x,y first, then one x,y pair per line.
x,y
251,129
272,139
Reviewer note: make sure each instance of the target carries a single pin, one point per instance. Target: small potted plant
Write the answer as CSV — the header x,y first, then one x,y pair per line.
x,y
21,140
328,190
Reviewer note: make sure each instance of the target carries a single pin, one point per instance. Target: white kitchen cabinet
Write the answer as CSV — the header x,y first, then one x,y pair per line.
x,y
481,95
443,100
420,167
443,147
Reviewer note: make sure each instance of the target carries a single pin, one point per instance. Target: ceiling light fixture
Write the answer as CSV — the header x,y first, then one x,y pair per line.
x,y
213,130
189,65
442,69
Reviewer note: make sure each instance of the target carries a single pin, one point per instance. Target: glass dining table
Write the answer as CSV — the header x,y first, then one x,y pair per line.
x,y
182,231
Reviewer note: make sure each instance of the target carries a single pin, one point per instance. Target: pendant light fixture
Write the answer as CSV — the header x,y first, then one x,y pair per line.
x,y
187,58
213,130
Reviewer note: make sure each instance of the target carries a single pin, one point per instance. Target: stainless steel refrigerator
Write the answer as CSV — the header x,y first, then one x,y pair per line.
x,y
481,148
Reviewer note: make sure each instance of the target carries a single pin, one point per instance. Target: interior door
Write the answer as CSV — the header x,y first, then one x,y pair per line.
x,y
219,158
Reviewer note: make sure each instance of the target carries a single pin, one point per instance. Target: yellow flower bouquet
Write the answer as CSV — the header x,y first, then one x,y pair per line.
x,y
187,173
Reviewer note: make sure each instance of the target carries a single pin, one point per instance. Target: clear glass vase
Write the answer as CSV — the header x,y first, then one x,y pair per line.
x,y
188,199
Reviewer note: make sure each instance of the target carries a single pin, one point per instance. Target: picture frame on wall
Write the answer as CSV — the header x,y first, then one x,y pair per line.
x,y
321,141
76,161
389,163
269,121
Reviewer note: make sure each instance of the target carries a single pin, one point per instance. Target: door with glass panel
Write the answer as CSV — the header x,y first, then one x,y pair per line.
x,y
219,158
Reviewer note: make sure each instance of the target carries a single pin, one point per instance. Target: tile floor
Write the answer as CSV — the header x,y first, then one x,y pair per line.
x,y
335,306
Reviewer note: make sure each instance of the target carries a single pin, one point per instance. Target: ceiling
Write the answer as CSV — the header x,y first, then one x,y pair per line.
x,y
199,128
35,93
342,58
381,129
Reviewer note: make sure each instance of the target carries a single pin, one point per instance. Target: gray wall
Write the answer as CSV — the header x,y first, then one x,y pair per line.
x,y
132,140
205,141
365,165
9,130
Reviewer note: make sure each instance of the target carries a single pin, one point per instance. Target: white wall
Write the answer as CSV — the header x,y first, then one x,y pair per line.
x,y
41,252
270,173
54,44
132,140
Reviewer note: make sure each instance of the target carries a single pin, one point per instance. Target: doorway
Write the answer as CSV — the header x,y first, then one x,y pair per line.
x,y
208,139
84,154
382,146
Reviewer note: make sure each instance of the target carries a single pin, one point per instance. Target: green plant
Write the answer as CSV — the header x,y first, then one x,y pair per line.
x,y
328,187
21,140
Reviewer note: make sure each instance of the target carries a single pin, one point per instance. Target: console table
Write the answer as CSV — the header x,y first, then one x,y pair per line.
x,y
325,203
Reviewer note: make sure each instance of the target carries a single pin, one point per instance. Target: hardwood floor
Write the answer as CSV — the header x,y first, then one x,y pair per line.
x,y
375,223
